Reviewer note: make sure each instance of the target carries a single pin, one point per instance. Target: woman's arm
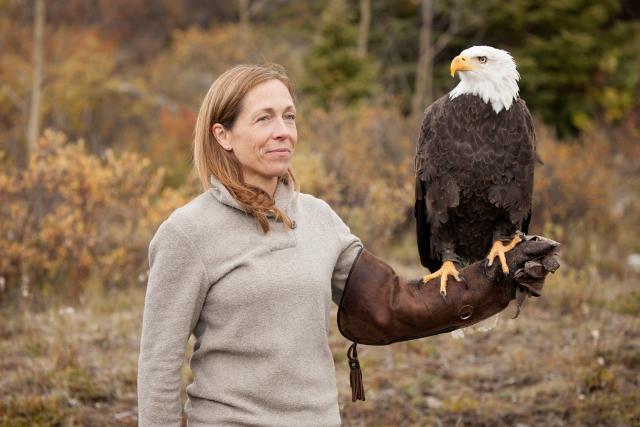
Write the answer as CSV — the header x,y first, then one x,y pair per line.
x,y
175,295
349,246
378,307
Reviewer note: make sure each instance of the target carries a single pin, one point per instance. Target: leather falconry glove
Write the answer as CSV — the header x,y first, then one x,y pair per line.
x,y
379,308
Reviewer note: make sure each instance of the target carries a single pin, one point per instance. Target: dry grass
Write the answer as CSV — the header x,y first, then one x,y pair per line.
x,y
572,358
71,366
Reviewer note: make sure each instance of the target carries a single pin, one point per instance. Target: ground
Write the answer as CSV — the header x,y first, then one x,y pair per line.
x,y
572,358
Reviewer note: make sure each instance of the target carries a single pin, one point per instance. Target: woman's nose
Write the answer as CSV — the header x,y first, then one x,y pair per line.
x,y
281,129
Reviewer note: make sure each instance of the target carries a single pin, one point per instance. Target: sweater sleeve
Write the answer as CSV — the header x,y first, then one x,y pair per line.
x,y
350,246
175,294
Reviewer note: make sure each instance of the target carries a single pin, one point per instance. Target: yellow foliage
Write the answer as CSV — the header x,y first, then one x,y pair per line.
x,y
584,197
197,57
361,162
576,183
71,214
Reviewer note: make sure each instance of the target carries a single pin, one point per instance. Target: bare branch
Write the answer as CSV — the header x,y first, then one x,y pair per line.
x,y
365,23
33,127
423,84
452,30
243,14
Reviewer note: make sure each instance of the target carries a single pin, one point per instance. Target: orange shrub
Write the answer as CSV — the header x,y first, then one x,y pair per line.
x,y
71,215
362,162
576,182
586,196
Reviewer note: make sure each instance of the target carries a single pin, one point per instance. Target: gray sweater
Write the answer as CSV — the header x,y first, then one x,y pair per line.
x,y
258,305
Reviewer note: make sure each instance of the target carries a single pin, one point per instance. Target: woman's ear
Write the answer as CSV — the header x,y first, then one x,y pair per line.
x,y
222,136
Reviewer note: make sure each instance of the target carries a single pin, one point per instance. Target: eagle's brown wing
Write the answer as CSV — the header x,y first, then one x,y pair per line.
x,y
423,227
531,136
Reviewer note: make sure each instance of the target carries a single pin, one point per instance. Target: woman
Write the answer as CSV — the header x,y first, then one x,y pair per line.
x,y
249,267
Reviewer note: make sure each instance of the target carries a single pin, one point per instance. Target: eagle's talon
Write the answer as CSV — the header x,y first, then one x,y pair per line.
x,y
464,281
447,269
499,250
486,267
444,296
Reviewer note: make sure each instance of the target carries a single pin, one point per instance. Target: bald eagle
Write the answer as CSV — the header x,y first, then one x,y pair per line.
x,y
474,167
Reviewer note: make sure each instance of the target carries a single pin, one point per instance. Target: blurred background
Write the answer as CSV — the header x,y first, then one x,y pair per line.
x,y
98,101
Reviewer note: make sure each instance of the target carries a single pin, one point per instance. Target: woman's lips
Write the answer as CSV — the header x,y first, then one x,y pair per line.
x,y
280,152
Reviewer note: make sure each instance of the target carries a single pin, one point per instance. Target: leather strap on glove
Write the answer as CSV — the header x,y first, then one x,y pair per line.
x,y
379,308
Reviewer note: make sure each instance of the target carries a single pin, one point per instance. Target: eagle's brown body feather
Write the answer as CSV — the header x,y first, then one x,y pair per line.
x,y
474,177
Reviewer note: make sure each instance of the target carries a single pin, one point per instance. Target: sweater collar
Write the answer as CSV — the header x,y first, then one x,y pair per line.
x,y
285,196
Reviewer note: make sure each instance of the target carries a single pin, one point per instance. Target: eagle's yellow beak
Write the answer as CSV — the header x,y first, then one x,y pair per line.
x,y
459,63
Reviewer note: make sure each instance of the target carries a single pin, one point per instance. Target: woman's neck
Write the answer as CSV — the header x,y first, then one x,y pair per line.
x,y
268,185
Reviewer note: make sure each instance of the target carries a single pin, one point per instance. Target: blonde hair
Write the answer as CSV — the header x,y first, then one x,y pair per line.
x,y
222,104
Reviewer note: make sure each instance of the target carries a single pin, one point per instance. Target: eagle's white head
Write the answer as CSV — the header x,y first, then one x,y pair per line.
x,y
487,72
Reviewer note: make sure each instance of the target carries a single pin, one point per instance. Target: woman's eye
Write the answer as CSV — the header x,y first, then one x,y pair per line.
x,y
290,116
482,59
263,118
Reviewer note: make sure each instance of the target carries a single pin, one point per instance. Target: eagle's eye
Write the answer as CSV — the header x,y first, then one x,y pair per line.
x,y
482,59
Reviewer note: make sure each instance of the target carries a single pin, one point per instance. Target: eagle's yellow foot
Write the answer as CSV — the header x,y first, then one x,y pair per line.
x,y
499,249
447,269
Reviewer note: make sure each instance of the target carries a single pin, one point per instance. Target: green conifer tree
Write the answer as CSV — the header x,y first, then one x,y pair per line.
x,y
577,60
334,72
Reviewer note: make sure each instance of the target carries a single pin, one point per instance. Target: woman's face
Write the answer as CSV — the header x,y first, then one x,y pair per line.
x,y
264,135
